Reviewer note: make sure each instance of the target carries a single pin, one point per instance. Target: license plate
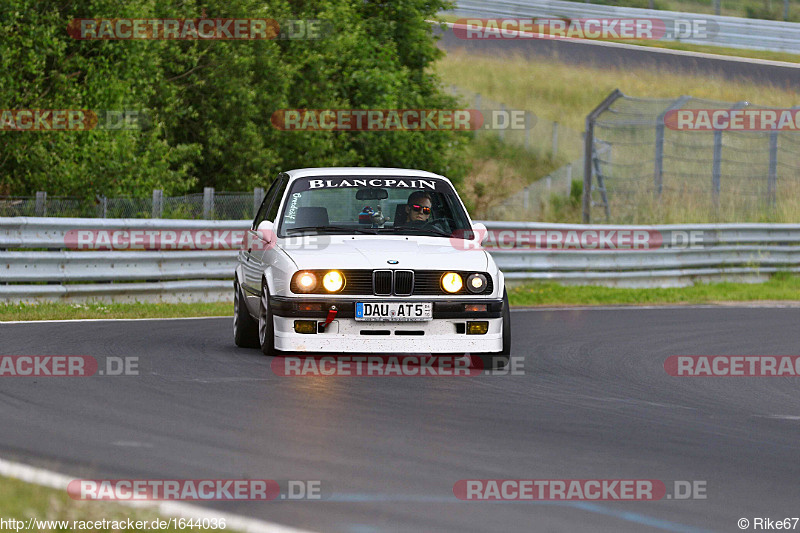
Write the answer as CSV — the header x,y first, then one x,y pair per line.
x,y
394,311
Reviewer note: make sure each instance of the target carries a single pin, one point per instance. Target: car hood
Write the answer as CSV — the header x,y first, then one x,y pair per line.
x,y
372,252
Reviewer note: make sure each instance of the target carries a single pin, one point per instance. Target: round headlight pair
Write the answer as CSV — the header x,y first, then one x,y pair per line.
x,y
476,283
452,282
332,281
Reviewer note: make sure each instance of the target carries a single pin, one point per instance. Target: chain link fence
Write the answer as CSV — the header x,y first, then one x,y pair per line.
x,y
689,160
208,205
542,136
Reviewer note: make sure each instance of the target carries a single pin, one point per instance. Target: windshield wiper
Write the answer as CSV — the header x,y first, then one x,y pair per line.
x,y
434,231
343,229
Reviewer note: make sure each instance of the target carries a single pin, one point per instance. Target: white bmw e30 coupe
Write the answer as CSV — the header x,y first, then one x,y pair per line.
x,y
369,261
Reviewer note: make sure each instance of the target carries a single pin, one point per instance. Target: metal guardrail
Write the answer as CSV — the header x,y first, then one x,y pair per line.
x,y
721,251
733,32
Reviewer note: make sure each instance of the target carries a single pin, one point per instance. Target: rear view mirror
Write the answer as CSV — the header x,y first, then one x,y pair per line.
x,y
373,193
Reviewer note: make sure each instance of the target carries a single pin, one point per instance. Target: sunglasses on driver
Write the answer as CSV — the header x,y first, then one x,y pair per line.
x,y
421,208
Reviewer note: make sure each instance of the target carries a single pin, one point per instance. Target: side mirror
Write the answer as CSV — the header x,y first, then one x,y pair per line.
x,y
480,233
266,230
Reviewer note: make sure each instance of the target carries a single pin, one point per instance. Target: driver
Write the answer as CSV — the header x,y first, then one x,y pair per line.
x,y
418,207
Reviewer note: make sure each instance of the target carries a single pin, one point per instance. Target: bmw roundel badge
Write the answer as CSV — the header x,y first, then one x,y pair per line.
x,y
392,261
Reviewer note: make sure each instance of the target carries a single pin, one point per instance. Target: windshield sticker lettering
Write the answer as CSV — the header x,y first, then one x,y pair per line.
x,y
393,183
293,206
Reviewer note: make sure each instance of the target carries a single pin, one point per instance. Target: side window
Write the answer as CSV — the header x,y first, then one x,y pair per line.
x,y
273,210
264,209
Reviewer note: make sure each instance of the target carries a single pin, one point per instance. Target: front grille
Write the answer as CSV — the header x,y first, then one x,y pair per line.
x,y
403,282
382,282
360,282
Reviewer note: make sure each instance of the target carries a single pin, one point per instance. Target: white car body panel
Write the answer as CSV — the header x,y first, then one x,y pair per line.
x,y
285,256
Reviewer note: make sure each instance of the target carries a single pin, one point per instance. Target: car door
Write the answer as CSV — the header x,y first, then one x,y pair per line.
x,y
260,247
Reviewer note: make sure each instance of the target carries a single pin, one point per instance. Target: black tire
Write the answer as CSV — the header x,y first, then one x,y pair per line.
x,y
499,360
266,326
245,329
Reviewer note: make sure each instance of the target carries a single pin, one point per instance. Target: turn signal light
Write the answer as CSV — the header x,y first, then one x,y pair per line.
x,y
475,307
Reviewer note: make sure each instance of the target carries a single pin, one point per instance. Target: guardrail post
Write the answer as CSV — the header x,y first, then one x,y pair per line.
x,y
41,204
658,165
258,197
554,150
208,203
158,203
588,152
773,167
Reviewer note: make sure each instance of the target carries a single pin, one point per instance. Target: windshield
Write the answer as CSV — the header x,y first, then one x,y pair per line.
x,y
399,205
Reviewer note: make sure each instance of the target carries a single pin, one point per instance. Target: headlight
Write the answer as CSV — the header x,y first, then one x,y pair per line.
x,y
452,282
476,283
333,281
305,281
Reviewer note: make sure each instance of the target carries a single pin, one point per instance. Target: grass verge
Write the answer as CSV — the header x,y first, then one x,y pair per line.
x,y
781,287
76,311
22,501
566,93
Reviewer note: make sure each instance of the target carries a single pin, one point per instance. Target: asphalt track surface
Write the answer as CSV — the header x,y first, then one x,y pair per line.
x,y
602,55
594,403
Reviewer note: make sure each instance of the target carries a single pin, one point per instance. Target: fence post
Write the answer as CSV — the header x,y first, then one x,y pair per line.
x,y
569,179
258,197
555,141
158,203
528,131
41,204
103,206
773,167
588,149
208,202
478,107
502,132
716,7
658,170
716,167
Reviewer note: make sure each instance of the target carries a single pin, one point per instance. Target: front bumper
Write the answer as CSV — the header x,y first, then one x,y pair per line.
x,y
445,333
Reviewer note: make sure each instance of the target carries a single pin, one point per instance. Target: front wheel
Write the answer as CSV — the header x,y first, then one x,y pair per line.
x,y
245,329
498,360
266,326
